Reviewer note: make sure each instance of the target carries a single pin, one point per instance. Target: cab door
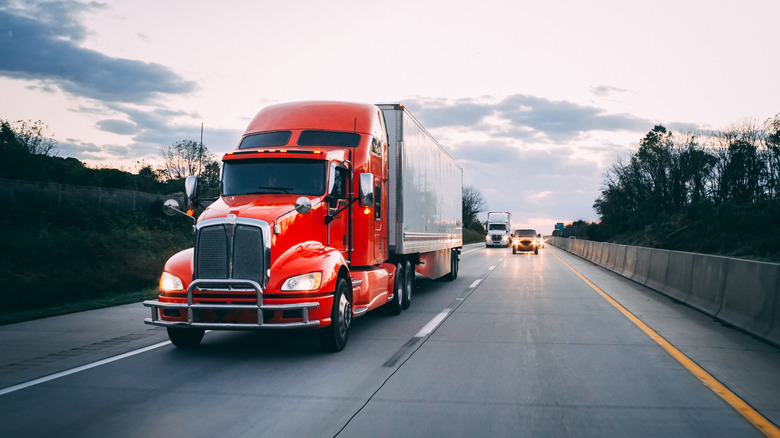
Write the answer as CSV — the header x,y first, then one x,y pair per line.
x,y
378,169
338,210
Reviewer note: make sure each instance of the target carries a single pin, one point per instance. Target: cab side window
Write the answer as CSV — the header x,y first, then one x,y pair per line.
x,y
377,203
339,186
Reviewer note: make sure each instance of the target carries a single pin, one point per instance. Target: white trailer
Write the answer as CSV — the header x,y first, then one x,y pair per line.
x,y
425,192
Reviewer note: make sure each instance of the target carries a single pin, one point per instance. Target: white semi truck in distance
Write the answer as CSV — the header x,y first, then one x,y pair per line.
x,y
499,229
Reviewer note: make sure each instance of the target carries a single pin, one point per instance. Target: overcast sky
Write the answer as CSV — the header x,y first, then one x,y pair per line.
x,y
535,99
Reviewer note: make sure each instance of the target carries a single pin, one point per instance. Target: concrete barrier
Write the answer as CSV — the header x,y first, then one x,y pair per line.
x,y
629,266
749,295
642,270
659,265
743,293
678,276
708,275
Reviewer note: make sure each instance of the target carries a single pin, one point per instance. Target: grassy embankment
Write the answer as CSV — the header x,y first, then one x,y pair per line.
x,y
60,261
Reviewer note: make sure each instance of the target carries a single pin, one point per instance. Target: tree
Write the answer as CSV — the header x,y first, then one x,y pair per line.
x,y
772,156
741,172
33,137
185,158
473,203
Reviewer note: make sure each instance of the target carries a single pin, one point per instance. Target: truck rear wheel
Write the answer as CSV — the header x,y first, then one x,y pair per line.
x,y
185,337
408,284
334,337
394,307
453,266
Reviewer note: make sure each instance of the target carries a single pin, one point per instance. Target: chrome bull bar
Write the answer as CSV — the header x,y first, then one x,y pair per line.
x,y
236,285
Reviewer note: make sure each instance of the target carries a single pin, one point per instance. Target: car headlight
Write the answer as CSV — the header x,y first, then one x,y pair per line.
x,y
170,282
310,281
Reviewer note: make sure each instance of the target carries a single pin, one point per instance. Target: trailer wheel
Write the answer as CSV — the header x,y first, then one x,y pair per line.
x,y
408,284
334,337
453,266
394,307
185,337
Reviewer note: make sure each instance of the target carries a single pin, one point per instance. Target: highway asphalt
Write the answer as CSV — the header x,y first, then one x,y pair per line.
x,y
518,345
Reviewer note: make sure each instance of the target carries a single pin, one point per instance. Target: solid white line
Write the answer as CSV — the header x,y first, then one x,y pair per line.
x,y
50,377
432,324
491,268
475,283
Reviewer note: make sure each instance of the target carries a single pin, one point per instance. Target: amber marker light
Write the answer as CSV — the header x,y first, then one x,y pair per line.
x,y
191,212
367,210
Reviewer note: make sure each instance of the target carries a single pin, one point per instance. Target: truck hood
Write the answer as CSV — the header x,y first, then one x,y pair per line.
x,y
263,207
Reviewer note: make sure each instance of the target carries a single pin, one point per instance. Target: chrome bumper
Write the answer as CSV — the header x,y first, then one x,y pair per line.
x,y
233,284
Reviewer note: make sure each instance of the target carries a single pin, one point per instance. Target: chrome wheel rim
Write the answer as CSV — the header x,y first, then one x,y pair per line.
x,y
345,315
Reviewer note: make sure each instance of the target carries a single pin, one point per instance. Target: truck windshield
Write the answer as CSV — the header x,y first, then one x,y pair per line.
x,y
255,177
497,227
329,138
265,139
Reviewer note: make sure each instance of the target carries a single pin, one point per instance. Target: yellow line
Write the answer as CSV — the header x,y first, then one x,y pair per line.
x,y
758,420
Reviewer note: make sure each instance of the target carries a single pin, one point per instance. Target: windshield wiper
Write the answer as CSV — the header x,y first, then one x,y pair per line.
x,y
281,189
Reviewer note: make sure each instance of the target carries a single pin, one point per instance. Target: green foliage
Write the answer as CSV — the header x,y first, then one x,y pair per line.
x,y
473,204
719,196
50,257
472,236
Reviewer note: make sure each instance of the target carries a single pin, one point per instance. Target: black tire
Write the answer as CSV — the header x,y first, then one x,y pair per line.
x,y
514,250
334,337
536,250
453,266
185,337
394,307
408,284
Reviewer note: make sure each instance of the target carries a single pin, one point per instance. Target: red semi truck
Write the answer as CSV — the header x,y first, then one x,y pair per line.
x,y
327,211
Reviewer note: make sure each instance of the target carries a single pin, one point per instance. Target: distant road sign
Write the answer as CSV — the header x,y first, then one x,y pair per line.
x,y
559,226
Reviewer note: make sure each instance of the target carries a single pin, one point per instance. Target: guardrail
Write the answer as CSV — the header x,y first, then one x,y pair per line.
x,y
742,293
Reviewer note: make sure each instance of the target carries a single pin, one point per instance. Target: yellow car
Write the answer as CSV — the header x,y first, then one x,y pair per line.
x,y
525,240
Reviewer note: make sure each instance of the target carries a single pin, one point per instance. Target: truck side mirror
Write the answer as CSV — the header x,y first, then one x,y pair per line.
x,y
171,207
190,187
366,190
302,205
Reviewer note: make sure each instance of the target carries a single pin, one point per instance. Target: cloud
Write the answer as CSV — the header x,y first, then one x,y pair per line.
x,y
40,42
115,126
606,90
524,116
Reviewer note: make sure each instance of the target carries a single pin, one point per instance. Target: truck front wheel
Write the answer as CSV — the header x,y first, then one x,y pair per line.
x,y
185,337
334,336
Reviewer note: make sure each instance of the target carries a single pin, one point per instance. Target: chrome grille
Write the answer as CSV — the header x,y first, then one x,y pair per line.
x,y
248,253
232,248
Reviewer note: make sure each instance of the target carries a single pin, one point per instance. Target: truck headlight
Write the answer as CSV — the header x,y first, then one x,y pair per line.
x,y
170,282
310,281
